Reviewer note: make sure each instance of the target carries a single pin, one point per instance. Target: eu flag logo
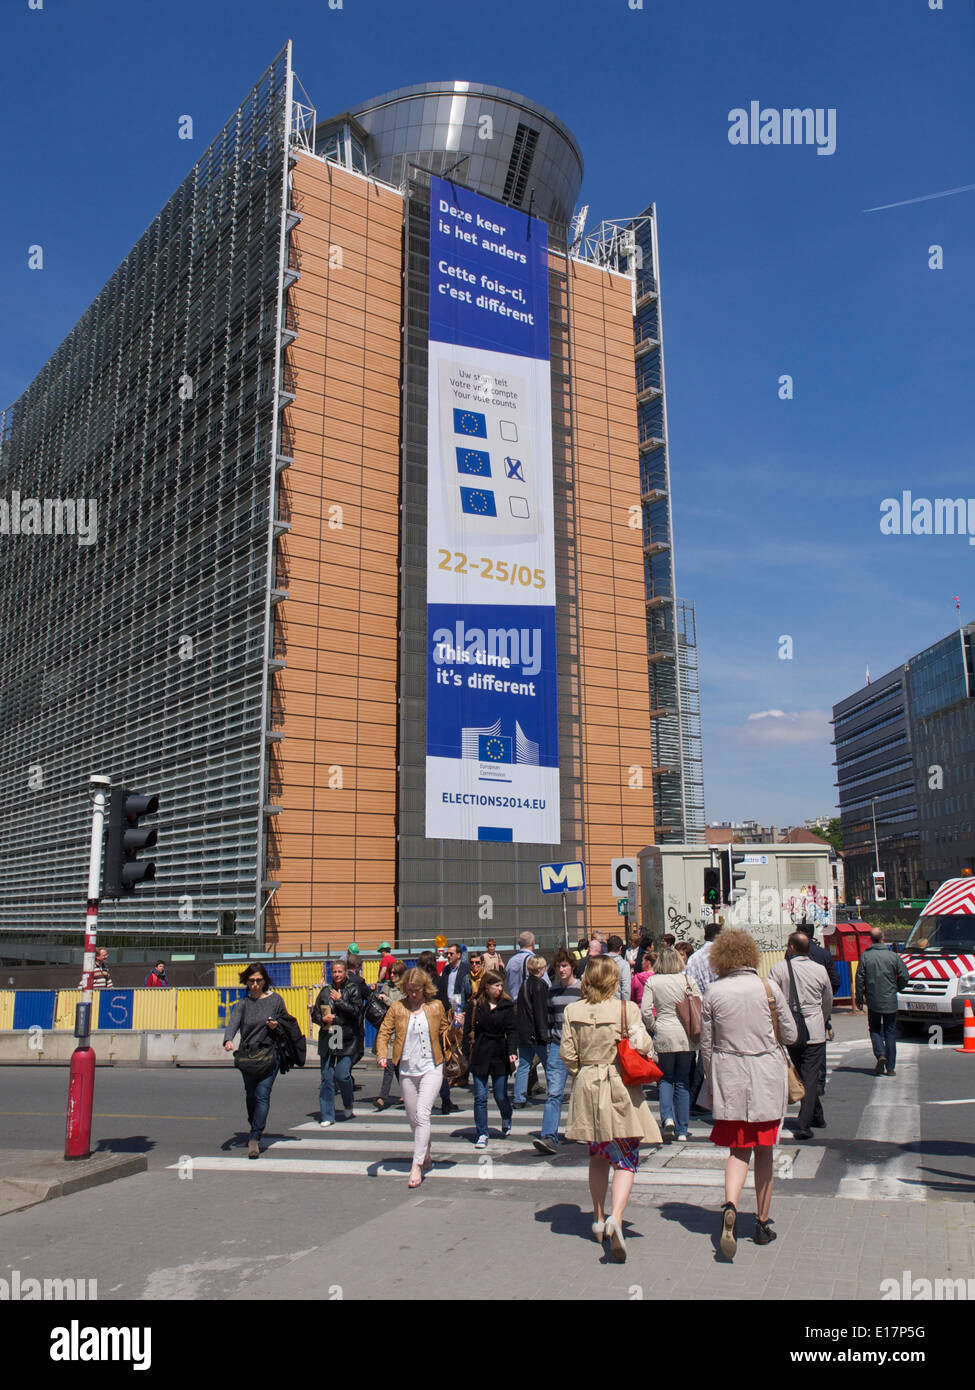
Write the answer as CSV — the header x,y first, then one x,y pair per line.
x,y
492,748
477,501
476,461
470,422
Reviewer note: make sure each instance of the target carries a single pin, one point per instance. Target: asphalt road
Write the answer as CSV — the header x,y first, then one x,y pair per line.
x,y
921,1119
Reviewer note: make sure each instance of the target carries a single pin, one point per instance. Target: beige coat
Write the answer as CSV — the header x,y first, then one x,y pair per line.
x,y
813,988
664,993
601,1107
743,1065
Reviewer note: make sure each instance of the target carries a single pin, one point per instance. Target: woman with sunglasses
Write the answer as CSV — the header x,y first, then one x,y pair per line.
x,y
256,1017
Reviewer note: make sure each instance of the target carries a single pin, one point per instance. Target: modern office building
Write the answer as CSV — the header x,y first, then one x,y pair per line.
x,y
905,762
324,356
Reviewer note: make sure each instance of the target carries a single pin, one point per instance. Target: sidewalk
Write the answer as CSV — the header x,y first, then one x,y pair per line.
x,y
499,1248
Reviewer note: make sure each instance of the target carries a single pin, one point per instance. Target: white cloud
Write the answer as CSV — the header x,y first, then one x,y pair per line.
x,y
776,726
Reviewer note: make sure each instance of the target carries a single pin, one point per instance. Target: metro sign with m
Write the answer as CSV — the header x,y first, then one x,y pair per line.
x,y
562,878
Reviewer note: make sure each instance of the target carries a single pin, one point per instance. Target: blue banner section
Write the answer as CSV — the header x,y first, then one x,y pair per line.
x,y
488,277
492,693
115,1008
34,1007
226,999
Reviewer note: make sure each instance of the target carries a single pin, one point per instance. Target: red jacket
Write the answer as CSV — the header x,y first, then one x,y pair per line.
x,y
154,981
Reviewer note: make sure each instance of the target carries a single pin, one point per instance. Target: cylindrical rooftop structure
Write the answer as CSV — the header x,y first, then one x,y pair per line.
x,y
518,152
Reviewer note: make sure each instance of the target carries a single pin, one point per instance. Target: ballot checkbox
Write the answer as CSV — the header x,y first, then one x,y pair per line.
x,y
509,430
519,507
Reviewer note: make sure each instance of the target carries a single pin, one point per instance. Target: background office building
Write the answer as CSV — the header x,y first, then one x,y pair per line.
x,y
247,400
905,762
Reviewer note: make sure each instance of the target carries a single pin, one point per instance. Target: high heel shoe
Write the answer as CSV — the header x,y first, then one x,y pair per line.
x,y
729,1230
616,1241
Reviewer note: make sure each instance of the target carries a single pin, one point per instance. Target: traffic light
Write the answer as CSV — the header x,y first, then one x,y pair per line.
x,y
712,887
125,840
730,876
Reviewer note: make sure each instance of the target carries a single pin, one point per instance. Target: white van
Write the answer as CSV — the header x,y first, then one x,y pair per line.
x,y
940,957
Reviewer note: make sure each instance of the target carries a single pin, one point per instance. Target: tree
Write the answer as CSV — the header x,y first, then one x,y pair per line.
x,y
833,834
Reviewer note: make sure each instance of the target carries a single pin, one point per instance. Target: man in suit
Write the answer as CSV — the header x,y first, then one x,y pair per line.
x,y
453,991
806,986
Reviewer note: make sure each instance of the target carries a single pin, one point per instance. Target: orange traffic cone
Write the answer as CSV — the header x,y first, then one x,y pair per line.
x,y
969,1033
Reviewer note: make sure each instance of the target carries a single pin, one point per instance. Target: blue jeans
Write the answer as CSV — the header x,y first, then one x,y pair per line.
x,y
674,1088
335,1069
258,1095
556,1073
499,1085
883,1035
526,1059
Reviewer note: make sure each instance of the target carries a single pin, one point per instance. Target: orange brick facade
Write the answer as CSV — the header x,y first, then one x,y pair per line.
x,y
334,774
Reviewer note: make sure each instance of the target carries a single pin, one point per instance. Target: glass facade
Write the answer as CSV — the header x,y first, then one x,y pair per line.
x,y
143,655
905,755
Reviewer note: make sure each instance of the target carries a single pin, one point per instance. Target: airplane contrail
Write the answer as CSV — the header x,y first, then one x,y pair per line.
x,y
946,193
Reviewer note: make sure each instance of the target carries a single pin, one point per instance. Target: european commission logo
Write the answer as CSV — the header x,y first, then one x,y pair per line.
x,y
470,422
477,501
494,748
474,461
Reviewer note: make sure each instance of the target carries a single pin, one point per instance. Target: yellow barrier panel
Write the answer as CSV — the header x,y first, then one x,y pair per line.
x,y
154,1009
296,1002
64,1007
370,971
853,979
766,959
228,975
197,1008
307,972
7,1009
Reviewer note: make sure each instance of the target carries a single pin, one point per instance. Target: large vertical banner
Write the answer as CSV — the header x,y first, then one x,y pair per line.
x,y
492,768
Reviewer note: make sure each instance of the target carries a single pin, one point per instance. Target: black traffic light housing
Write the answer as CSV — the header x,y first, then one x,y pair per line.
x,y
712,887
123,870
730,876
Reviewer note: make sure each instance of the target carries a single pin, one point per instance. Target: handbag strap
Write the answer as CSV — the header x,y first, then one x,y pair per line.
x,y
624,1031
795,1007
774,1012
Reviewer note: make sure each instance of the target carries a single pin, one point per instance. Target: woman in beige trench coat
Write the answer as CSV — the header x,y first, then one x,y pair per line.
x,y
604,1113
745,1071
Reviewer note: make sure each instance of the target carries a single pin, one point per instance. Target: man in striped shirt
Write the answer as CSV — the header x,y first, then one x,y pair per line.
x,y
565,990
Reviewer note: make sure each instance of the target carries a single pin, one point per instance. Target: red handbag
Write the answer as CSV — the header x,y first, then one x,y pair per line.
x,y
635,1069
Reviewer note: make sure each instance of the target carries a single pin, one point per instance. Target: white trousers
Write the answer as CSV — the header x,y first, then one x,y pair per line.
x,y
419,1096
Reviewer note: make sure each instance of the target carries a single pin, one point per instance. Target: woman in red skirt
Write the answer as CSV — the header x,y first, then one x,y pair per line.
x,y
745,1071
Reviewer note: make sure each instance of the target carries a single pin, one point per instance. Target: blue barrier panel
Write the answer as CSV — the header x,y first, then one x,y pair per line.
x,y
34,1007
226,999
370,1035
115,1007
843,970
280,972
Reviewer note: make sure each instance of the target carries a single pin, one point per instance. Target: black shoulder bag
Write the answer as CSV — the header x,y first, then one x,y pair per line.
x,y
796,1008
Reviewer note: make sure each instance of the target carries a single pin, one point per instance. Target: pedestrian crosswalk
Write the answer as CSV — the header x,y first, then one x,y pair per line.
x,y
378,1144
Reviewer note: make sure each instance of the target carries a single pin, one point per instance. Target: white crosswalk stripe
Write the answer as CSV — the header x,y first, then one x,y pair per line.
x,y
379,1144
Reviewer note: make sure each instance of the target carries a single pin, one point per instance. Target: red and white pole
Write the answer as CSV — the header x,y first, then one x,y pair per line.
x,y
81,1080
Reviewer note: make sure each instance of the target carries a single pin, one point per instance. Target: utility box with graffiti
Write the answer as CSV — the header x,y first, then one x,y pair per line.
x,y
785,887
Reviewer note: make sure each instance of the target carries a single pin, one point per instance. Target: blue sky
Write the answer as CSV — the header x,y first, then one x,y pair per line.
x,y
770,266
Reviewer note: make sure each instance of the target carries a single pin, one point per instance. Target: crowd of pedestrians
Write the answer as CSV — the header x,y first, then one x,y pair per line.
x,y
723,1042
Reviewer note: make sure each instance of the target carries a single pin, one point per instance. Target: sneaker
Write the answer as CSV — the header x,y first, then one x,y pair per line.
x,y
505,1129
668,1131
325,1124
880,1068
448,1108
520,1105
481,1142
544,1145
683,1138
